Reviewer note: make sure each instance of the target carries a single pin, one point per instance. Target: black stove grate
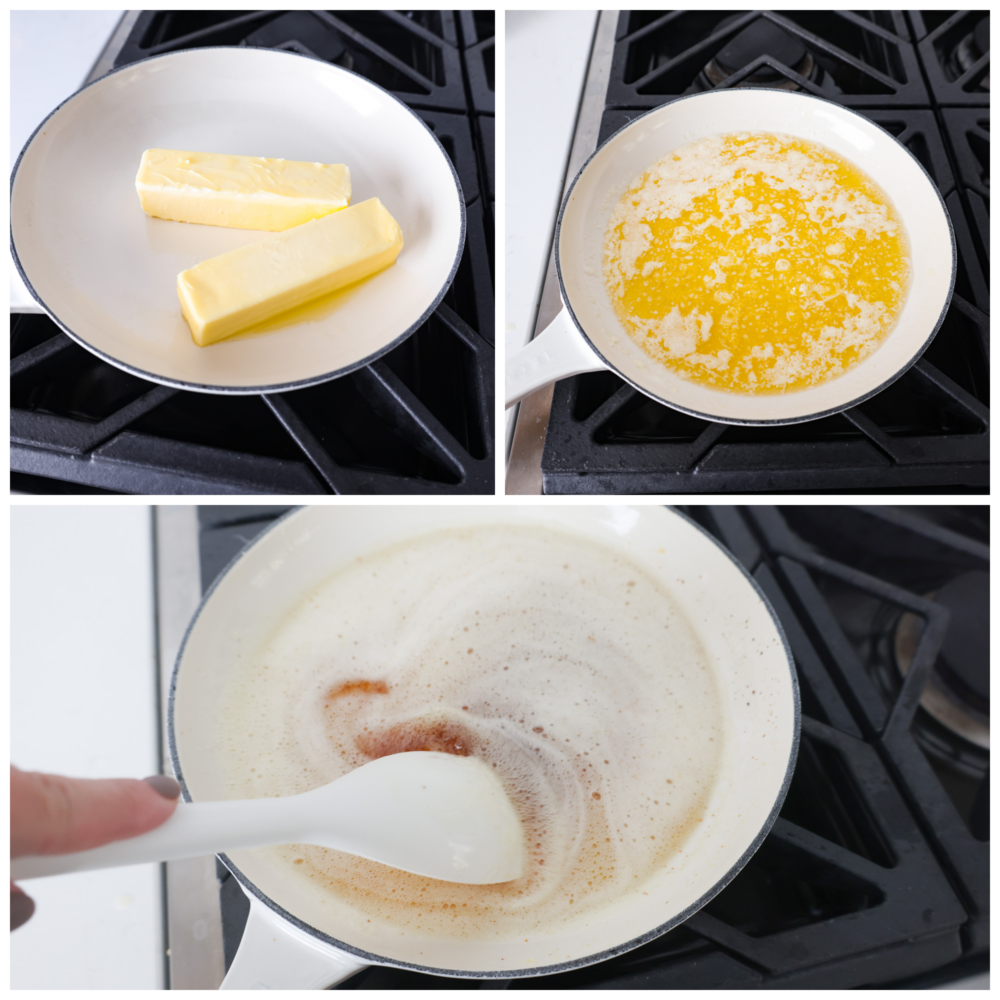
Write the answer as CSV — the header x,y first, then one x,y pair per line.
x,y
418,421
877,869
855,59
929,431
955,54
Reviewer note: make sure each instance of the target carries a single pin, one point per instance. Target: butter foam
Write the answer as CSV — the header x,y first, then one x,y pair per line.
x,y
561,663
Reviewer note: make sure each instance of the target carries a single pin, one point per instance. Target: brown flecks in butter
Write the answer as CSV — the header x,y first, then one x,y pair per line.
x,y
442,737
357,687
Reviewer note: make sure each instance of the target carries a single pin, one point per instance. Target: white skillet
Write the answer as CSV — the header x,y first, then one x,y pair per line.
x,y
106,273
587,334
291,941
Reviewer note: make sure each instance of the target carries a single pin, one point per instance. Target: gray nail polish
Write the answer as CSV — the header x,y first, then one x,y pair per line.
x,y
21,908
165,786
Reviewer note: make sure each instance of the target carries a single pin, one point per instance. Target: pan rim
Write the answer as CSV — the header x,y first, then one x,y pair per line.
x,y
239,390
376,959
738,421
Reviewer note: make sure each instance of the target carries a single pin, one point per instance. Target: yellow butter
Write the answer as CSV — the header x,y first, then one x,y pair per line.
x,y
240,192
244,287
756,262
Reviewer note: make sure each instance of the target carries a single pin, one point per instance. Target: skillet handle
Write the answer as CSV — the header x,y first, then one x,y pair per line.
x,y
557,352
274,954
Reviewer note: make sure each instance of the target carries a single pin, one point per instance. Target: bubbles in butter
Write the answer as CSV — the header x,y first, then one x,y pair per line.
x,y
561,663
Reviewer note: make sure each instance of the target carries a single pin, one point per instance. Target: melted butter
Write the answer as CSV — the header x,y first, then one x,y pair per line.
x,y
756,263
314,311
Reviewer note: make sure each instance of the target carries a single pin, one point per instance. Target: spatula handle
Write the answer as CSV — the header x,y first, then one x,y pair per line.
x,y
194,829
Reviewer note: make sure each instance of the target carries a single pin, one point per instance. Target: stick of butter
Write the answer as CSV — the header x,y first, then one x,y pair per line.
x,y
241,192
244,287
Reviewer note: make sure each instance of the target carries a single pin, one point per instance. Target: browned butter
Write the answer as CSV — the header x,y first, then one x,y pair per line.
x,y
561,663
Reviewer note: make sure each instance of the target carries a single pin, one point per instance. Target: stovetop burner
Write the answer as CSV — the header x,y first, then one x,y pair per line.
x,y
970,50
957,695
858,59
758,47
965,653
323,42
418,421
877,869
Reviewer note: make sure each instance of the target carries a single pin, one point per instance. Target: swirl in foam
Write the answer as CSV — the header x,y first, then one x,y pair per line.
x,y
564,665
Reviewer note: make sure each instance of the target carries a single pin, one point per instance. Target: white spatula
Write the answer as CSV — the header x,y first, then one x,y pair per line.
x,y
433,814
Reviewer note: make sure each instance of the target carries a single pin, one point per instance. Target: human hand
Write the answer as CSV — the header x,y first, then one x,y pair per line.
x,y
50,814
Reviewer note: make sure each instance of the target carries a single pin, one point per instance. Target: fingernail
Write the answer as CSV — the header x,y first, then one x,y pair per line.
x,y
165,786
21,908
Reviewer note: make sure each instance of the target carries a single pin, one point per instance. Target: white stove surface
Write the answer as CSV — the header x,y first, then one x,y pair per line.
x,y
51,54
83,703
547,53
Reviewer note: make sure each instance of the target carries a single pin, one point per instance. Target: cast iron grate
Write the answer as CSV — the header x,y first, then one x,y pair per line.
x,y
860,880
885,590
416,58
968,131
927,432
418,421
478,49
954,49
855,59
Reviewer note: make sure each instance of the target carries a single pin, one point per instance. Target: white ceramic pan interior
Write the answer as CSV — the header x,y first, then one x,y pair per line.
x,y
734,622
590,335
107,273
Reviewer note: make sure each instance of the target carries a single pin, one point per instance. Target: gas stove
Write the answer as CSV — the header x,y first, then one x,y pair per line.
x,y
417,421
877,870
922,76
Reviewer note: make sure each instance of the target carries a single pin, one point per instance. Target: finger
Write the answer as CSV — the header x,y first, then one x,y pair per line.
x,y
50,814
21,907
